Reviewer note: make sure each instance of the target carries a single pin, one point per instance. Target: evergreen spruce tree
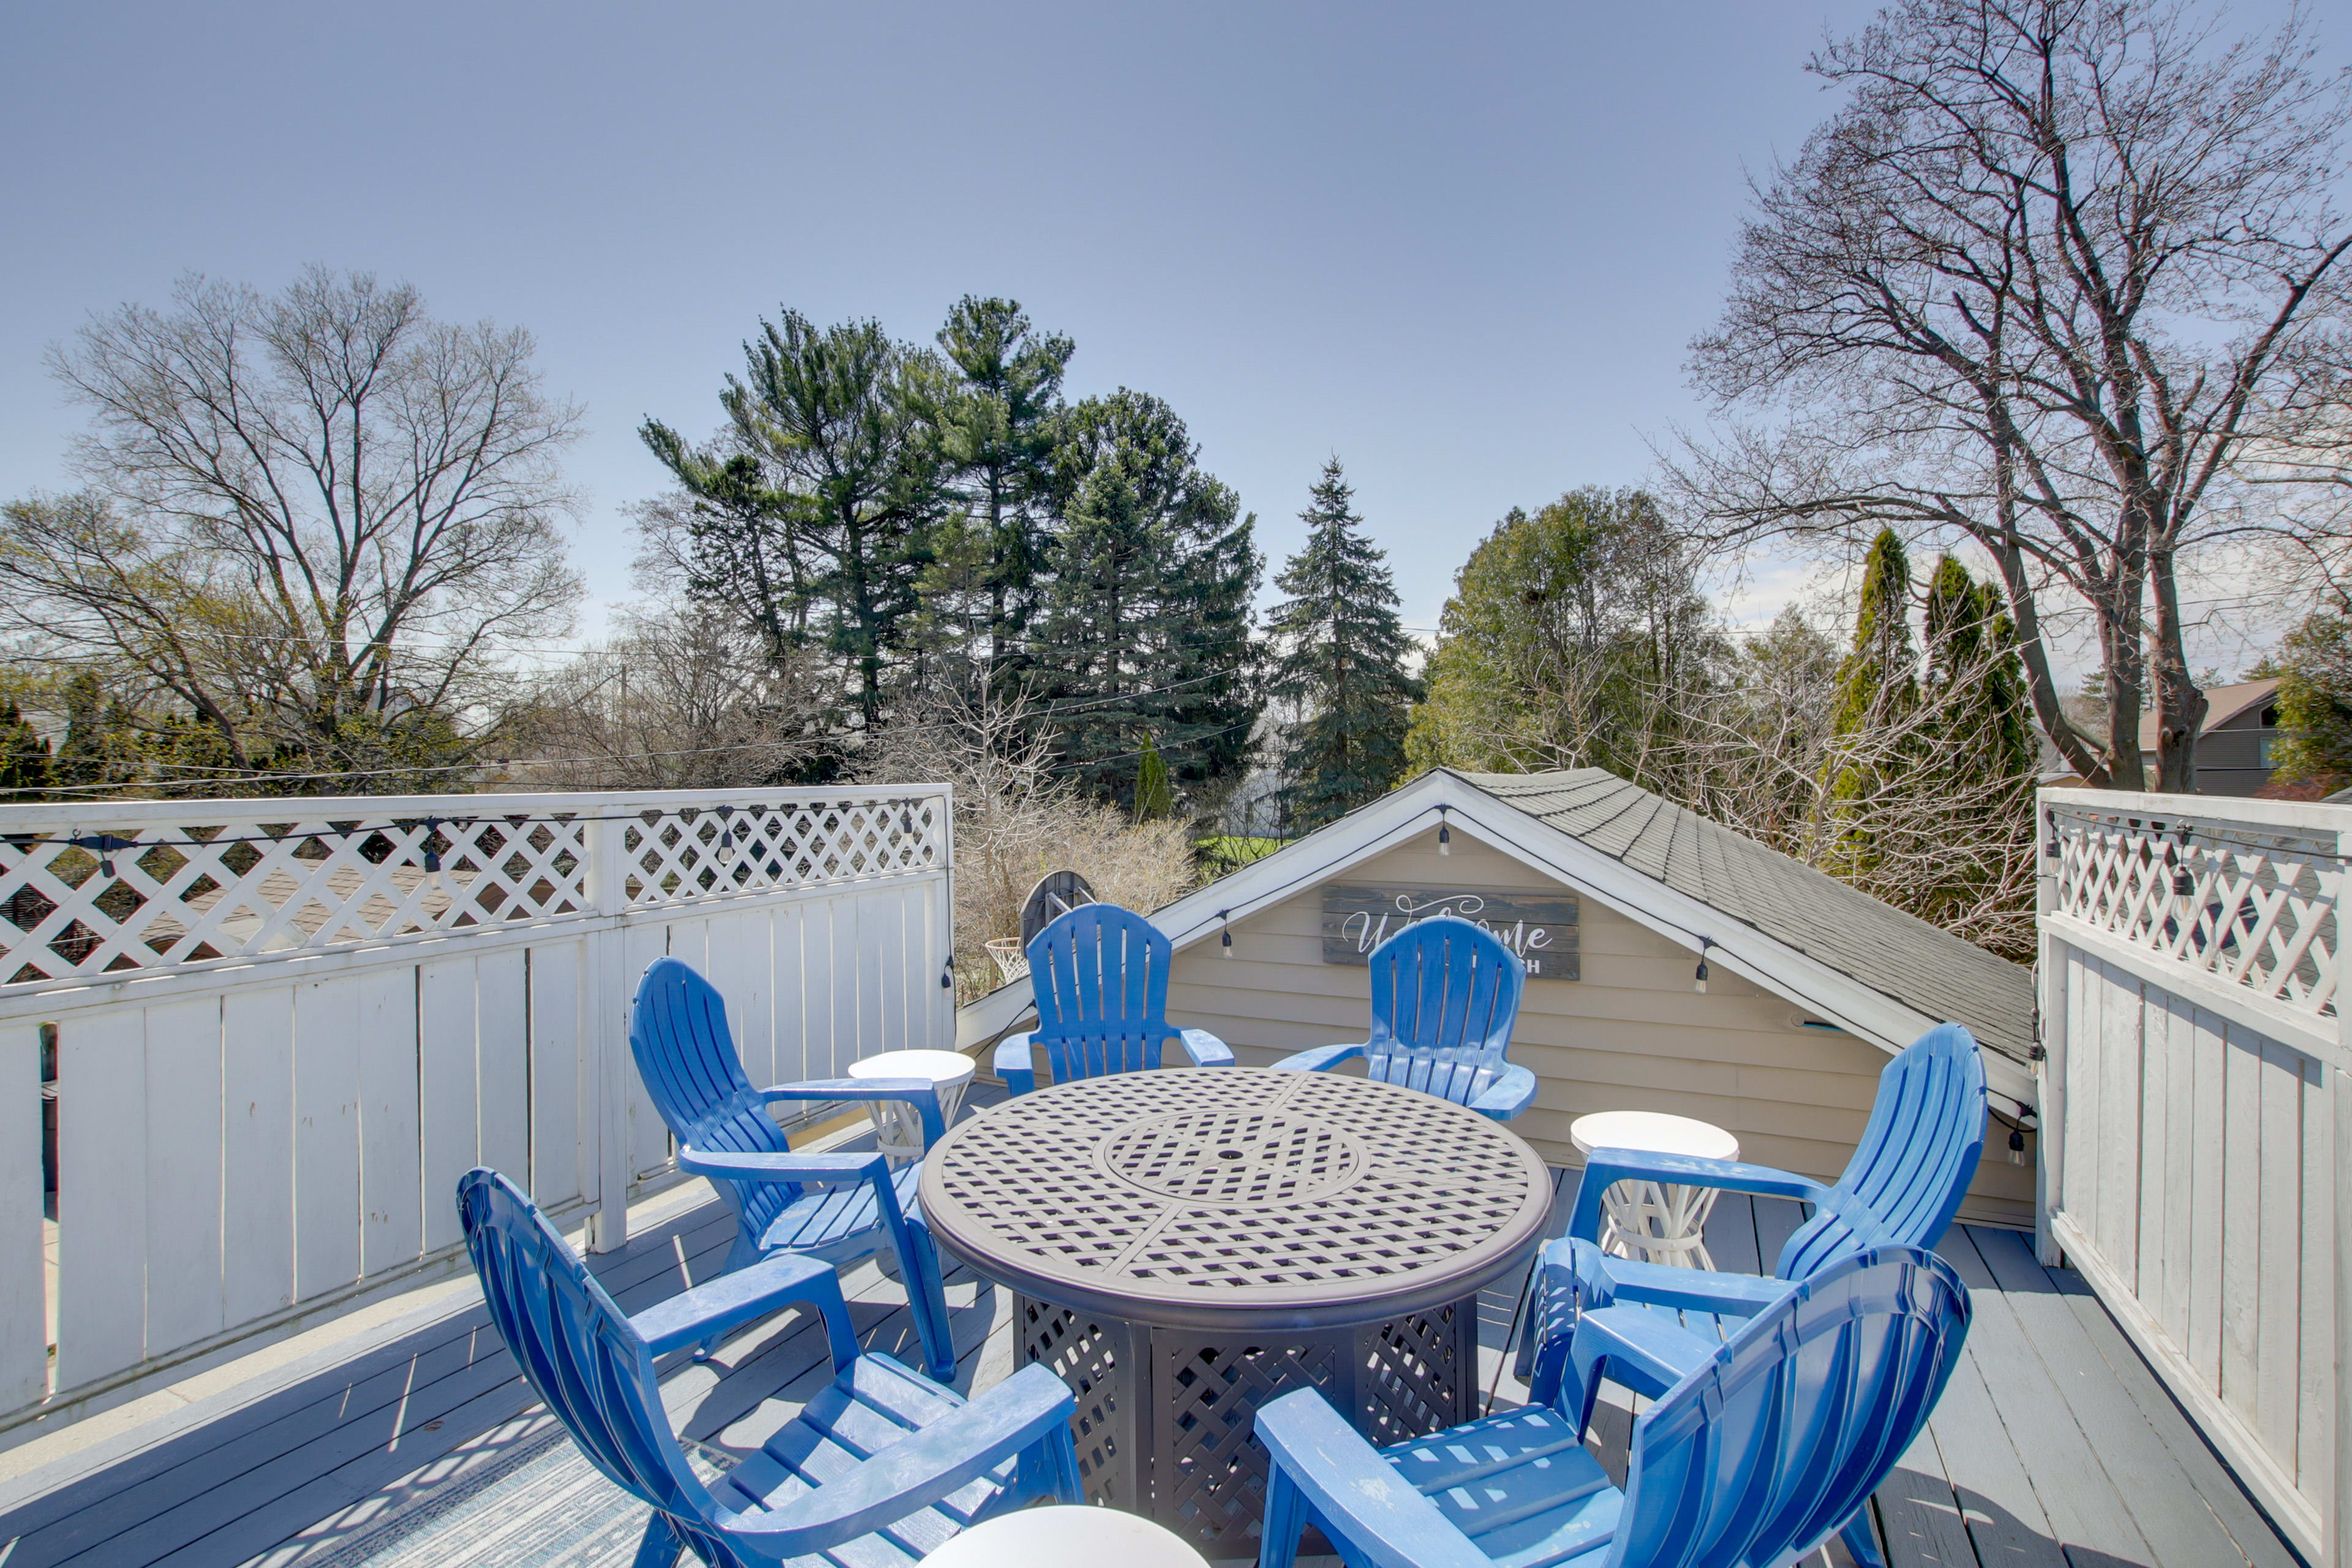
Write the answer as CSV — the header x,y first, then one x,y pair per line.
x,y
25,765
1341,657
1155,795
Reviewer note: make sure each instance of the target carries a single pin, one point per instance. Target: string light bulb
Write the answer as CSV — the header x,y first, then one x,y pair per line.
x,y
1698,980
1226,937
2017,1145
1444,835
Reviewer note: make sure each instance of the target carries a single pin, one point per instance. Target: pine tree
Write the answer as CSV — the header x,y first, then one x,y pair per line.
x,y
1341,657
1155,796
1146,625
996,422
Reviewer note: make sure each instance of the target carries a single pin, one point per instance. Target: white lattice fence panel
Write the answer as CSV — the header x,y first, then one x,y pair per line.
x,y
236,887
2248,904
679,855
96,891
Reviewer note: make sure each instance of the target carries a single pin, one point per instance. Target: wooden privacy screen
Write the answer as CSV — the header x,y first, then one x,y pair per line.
x,y
274,1061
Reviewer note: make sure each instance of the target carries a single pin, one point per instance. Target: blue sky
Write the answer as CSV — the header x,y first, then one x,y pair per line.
x,y
1462,247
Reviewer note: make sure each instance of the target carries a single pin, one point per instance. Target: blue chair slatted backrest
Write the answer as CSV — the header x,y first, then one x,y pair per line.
x,y
1100,976
1916,1156
687,1056
1797,1419
1445,996
579,1353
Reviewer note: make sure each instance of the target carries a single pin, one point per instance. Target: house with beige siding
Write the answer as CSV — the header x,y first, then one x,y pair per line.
x,y
1614,897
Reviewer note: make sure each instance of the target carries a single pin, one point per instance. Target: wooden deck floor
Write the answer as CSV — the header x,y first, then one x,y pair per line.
x,y
2054,1444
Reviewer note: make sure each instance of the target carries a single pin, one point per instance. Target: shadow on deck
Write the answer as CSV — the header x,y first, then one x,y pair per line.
x,y
2054,1444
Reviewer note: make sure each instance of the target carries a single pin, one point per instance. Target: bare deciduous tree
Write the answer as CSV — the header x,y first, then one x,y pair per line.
x,y
685,698
2051,272
305,513
1017,817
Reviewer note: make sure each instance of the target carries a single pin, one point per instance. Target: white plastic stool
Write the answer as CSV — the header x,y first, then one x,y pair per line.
x,y
1655,1221
899,1126
1066,1538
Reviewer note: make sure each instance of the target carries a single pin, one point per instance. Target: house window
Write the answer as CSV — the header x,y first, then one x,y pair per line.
x,y
2270,746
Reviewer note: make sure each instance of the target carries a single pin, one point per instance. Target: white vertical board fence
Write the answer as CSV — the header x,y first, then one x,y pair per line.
x,y
2194,1161
283,1029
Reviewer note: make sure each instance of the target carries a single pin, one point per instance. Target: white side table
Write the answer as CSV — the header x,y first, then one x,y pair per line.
x,y
899,1126
1655,1221
1066,1538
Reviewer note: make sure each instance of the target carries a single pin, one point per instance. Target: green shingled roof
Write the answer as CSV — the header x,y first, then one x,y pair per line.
x,y
1900,955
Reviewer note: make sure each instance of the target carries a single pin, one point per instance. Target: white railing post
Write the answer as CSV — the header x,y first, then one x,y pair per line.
x,y
2049,1041
24,1313
2335,1506
604,1123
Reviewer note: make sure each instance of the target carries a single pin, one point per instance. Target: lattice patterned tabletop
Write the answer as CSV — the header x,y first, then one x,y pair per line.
x,y
1236,1198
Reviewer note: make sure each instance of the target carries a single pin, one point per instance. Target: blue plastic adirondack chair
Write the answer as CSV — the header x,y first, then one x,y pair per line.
x,y
882,1462
686,1058
1100,976
1446,993
1752,1459
1901,1187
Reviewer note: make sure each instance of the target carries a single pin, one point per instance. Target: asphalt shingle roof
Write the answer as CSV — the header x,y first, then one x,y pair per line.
x,y
1847,930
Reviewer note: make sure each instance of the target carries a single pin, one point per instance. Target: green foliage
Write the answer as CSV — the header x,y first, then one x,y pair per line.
x,y
995,420
1976,679
1341,657
1155,796
1574,638
1878,691
102,749
27,769
1224,852
1146,627
817,510
2313,665
940,520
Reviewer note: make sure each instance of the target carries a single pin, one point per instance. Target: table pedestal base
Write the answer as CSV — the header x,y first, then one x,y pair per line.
x,y
1164,1414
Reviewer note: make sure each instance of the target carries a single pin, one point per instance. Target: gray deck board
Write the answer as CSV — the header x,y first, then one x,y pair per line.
x,y
2054,1445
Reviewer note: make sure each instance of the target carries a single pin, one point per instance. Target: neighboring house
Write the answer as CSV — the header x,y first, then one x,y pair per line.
x,y
1611,894
2234,750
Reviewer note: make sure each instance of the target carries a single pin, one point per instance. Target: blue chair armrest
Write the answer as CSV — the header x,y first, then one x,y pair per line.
x,y
1507,1095
1638,1349
1205,1049
1031,1406
919,1092
1609,1165
844,1167
1014,1065
1370,1510
746,1296
1322,1058
1606,1279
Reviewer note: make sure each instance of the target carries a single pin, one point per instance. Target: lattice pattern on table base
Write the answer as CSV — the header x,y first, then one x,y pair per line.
x,y
1164,1415
1208,1478
1098,1363
1417,1375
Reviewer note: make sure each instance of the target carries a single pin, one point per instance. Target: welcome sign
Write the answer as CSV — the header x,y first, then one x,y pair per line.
x,y
1541,929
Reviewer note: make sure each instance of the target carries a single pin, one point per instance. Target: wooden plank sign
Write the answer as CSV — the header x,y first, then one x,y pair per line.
x,y
1541,930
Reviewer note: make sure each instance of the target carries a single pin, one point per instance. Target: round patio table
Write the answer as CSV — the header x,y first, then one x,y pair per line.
x,y
1183,1246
